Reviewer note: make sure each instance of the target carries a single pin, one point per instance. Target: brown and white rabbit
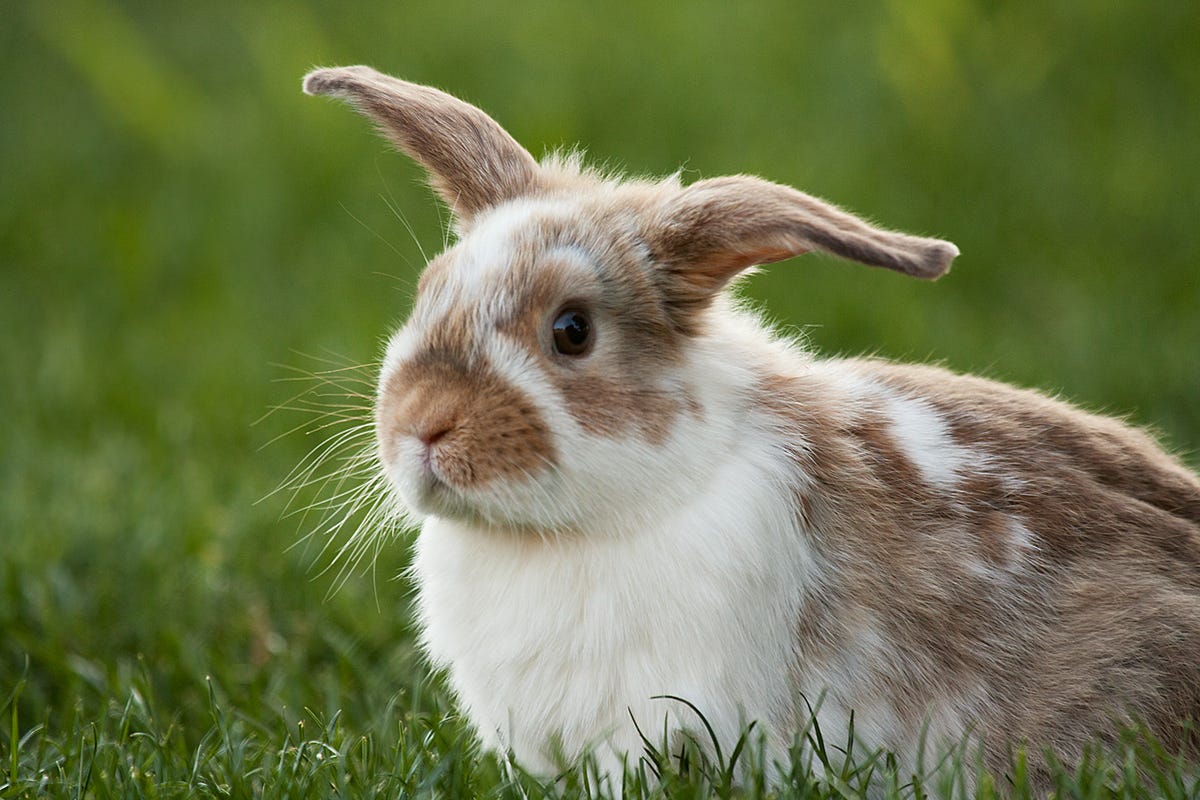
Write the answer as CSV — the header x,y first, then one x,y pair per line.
x,y
629,486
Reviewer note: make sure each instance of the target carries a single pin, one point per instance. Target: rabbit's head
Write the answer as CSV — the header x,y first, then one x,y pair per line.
x,y
554,372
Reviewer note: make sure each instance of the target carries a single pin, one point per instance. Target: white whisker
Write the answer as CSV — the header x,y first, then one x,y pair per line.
x,y
394,207
377,235
338,491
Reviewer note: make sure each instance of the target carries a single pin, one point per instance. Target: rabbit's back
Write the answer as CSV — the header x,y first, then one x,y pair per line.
x,y
1028,565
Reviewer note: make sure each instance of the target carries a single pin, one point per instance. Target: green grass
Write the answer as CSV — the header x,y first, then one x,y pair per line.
x,y
181,230
132,748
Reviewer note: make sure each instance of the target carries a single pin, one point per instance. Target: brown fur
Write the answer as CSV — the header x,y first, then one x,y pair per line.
x,y
487,429
1099,627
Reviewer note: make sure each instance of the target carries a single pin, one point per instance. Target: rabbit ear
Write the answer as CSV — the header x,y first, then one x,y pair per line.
x,y
716,228
472,162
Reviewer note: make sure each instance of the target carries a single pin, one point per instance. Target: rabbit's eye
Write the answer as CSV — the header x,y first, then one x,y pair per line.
x,y
572,333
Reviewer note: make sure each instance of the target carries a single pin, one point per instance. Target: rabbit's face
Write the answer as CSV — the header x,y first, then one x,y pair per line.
x,y
541,372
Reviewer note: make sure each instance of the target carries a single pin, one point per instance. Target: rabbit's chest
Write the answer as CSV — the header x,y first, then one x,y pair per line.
x,y
564,641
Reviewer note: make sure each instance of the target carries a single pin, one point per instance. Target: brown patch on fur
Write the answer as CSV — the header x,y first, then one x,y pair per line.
x,y
993,531
890,465
608,408
991,515
1099,625
448,340
484,429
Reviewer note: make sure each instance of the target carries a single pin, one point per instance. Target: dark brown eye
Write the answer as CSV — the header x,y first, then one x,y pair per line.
x,y
572,333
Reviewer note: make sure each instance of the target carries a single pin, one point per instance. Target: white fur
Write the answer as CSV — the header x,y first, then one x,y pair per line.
x,y
484,255
924,439
1022,538
479,260
558,642
401,346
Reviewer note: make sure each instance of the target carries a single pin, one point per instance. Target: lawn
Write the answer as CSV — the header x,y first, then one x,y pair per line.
x,y
188,245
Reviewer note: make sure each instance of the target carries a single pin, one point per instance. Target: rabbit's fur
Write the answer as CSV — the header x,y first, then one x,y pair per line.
x,y
696,507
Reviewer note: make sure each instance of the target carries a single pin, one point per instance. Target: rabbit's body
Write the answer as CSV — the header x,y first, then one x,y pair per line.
x,y
630,488
1048,609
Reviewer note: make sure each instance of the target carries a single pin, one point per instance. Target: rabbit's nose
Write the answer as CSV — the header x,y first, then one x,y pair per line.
x,y
429,435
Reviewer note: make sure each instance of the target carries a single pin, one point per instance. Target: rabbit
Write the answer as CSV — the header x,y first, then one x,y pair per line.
x,y
642,511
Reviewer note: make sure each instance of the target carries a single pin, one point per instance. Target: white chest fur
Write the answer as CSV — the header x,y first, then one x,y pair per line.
x,y
551,644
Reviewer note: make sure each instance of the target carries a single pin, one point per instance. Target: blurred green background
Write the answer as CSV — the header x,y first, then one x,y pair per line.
x,y
180,229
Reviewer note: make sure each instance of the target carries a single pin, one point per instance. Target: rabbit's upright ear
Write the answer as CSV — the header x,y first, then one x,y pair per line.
x,y
714,229
472,162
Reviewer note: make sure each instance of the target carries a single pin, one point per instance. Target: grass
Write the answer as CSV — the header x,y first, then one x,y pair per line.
x,y
134,749
181,232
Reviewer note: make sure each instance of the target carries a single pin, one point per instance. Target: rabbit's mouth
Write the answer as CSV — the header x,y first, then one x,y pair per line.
x,y
430,493
422,481
414,477
426,491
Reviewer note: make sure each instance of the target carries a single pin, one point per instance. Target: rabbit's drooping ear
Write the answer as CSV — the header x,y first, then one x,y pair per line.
x,y
472,162
716,228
